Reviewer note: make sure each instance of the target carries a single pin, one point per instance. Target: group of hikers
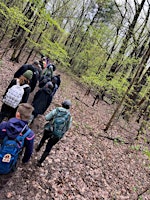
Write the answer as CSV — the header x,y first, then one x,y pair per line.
x,y
17,114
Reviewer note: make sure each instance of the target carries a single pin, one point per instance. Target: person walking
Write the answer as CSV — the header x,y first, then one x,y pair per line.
x,y
17,92
59,123
41,101
17,126
35,68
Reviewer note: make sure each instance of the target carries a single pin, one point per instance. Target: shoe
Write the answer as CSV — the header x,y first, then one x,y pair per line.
x,y
37,148
39,164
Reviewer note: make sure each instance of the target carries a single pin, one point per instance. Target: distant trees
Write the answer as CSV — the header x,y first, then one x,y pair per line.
x,y
101,41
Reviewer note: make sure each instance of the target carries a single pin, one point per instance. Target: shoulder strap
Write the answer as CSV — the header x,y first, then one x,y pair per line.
x,y
25,85
26,133
17,81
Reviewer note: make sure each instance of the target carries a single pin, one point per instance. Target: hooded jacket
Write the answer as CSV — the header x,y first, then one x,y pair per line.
x,y
12,128
42,100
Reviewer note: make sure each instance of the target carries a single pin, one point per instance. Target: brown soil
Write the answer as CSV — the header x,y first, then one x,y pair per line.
x,y
84,165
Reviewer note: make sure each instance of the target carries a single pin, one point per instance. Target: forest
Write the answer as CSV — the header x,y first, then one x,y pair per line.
x,y
103,44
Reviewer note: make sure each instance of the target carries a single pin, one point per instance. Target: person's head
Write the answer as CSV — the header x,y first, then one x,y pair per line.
x,y
28,74
52,66
36,64
49,85
54,79
24,111
66,104
44,58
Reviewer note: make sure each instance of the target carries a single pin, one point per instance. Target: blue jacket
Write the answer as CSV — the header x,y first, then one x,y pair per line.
x,y
12,128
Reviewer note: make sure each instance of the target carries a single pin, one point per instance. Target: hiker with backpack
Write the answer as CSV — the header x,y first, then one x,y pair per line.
x,y
17,92
44,79
59,122
57,80
42,100
49,69
35,68
14,136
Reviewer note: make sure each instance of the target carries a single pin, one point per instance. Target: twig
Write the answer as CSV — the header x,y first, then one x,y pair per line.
x,y
142,192
81,101
114,139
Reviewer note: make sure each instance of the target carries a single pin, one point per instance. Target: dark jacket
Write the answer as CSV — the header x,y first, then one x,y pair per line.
x,y
58,82
42,100
36,74
43,80
12,128
7,111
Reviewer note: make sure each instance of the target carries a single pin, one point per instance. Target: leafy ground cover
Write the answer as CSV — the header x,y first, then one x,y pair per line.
x,y
87,164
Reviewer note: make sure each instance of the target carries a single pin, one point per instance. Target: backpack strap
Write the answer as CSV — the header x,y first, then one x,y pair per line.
x,y
17,81
25,86
26,133
23,136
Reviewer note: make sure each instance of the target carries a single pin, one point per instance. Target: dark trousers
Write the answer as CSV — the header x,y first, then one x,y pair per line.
x,y
52,140
7,111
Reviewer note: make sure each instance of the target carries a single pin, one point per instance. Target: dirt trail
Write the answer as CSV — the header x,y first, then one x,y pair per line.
x,y
83,165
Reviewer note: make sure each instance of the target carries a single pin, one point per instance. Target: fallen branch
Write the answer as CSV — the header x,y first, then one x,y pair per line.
x,y
81,101
114,139
142,192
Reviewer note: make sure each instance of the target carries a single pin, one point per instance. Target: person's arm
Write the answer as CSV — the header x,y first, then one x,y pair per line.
x,y
20,71
29,144
69,123
26,95
3,130
50,115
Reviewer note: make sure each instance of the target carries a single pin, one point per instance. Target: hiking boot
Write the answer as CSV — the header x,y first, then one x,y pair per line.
x,y
38,164
37,148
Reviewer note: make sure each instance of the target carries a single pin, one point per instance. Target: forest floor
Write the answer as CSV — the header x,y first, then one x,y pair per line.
x,y
87,164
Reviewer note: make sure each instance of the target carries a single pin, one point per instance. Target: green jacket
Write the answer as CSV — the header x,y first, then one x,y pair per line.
x,y
50,116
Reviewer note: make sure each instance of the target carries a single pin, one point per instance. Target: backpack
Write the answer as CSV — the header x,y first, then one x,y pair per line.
x,y
9,152
49,70
60,123
14,95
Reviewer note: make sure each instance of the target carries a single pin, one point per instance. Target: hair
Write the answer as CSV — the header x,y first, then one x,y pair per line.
x,y
23,80
25,110
65,106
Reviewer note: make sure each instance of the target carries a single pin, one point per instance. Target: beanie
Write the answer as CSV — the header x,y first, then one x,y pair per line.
x,y
25,110
28,74
66,104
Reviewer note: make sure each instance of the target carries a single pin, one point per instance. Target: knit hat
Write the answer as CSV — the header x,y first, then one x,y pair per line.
x,y
66,104
25,110
28,74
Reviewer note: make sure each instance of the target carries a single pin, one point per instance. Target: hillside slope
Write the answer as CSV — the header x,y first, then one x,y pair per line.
x,y
83,165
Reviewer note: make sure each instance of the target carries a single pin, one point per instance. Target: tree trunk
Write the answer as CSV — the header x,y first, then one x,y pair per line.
x,y
143,61
114,68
